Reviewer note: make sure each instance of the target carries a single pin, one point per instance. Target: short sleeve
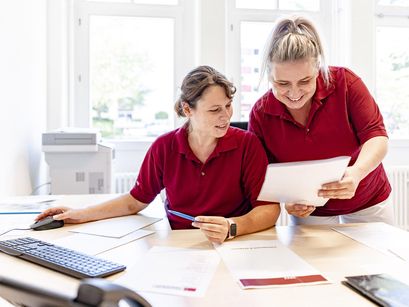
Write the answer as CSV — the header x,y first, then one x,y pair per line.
x,y
254,170
364,113
150,179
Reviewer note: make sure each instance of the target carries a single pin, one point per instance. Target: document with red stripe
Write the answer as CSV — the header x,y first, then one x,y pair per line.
x,y
172,270
267,263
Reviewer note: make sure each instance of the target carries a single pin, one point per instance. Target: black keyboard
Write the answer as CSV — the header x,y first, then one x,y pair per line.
x,y
59,258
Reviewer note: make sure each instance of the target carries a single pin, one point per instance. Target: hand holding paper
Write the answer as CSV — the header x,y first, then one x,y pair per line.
x,y
299,182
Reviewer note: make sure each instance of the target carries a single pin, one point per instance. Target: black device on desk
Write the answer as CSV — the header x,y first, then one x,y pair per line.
x,y
47,223
91,293
59,258
382,289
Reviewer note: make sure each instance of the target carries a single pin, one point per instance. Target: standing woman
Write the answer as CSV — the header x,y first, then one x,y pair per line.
x,y
208,169
317,112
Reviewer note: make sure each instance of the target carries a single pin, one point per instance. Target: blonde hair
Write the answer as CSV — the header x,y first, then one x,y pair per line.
x,y
196,82
294,39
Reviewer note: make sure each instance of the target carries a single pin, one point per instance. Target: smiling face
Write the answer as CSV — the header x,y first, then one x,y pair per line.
x,y
294,83
211,116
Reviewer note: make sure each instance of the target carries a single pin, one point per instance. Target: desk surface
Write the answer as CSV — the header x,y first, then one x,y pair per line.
x,y
333,254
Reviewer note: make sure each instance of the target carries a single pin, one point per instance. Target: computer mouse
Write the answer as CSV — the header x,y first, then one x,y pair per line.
x,y
47,223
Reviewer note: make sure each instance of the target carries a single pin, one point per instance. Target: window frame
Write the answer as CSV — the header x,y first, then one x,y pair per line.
x,y
390,16
184,44
329,20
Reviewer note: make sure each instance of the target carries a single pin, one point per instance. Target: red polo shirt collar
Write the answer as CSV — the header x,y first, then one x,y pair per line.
x,y
276,108
181,144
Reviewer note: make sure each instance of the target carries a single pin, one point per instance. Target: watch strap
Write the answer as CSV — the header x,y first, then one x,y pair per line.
x,y
232,229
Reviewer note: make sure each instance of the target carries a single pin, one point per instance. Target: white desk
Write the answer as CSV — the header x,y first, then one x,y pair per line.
x,y
333,254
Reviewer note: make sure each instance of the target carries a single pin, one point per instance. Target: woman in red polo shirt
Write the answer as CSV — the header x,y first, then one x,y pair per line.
x,y
208,169
316,112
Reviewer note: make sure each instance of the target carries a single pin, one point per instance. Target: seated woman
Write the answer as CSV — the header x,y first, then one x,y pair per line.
x,y
208,169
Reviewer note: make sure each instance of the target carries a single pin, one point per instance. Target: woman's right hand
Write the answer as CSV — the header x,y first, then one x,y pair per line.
x,y
70,216
299,210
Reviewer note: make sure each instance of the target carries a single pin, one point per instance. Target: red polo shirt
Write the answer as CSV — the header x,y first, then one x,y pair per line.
x,y
226,185
342,118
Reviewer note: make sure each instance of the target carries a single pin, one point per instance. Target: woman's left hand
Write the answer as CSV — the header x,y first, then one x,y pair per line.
x,y
343,189
215,228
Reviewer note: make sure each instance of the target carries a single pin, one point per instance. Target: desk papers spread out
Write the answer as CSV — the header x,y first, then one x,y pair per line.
x,y
116,227
299,182
94,245
171,270
267,263
380,236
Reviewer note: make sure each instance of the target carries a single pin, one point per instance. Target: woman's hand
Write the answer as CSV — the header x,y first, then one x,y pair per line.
x,y
71,216
215,228
299,210
345,188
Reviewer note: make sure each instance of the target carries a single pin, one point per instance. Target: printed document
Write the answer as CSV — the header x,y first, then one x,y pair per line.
x,y
171,270
267,263
380,236
299,182
116,227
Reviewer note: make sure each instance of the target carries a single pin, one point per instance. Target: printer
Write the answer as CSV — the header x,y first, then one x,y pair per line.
x,y
78,162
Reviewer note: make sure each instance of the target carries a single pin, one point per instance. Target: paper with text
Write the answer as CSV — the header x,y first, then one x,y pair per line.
x,y
94,245
380,236
171,270
299,182
267,263
116,227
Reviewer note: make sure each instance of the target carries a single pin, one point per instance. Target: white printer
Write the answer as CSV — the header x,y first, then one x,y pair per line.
x,y
79,163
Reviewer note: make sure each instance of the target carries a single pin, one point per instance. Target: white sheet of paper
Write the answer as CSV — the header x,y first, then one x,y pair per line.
x,y
299,182
27,204
380,236
30,199
94,245
116,227
171,270
267,263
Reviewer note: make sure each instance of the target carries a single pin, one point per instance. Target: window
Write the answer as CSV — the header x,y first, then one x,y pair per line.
x,y
250,23
131,78
392,66
126,63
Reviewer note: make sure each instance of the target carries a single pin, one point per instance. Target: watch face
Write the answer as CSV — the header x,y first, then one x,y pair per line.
x,y
233,230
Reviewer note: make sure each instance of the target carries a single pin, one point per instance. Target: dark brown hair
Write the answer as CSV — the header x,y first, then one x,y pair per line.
x,y
194,84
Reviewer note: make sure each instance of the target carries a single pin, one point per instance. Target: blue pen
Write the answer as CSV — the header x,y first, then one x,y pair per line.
x,y
182,215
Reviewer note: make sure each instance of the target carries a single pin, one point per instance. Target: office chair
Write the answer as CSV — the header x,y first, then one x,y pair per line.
x,y
241,125
91,293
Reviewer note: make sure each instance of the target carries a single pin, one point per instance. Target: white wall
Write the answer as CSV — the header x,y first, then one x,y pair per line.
x,y
22,94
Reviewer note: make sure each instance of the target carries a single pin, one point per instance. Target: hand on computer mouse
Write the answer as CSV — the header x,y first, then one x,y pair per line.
x,y
68,215
46,224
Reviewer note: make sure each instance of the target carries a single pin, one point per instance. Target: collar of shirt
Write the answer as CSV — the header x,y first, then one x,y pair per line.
x,y
226,143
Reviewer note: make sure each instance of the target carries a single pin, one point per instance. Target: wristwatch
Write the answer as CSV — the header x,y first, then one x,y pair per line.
x,y
232,229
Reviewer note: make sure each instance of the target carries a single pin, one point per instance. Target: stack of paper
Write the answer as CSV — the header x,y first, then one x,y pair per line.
x,y
94,245
380,236
116,227
267,263
99,236
299,182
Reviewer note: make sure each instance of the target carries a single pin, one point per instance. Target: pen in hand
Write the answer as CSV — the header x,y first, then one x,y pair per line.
x,y
182,215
